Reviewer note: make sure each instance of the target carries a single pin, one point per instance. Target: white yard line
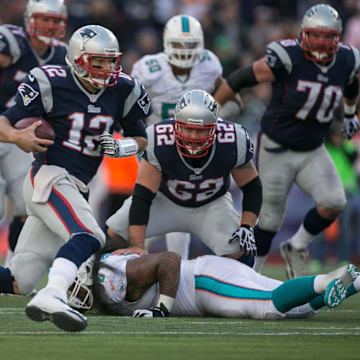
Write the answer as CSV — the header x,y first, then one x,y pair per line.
x,y
288,333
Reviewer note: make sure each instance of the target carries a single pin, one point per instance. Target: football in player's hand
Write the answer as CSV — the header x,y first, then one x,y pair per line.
x,y
44,131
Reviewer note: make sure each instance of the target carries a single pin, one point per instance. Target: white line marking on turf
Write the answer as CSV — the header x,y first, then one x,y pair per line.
x,y
180,333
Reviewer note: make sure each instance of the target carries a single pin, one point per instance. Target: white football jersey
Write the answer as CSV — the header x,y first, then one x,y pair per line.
x,y
165,89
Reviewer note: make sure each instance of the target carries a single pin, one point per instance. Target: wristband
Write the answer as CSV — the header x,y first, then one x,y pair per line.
x,y
127,147
349,109
167,301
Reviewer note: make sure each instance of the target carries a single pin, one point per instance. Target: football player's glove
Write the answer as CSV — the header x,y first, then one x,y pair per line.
x,y
245,236
351,125
161,311
117,148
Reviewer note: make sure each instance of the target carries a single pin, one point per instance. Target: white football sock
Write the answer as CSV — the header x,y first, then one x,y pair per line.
x,y
259,263
323,280
301,239
62,274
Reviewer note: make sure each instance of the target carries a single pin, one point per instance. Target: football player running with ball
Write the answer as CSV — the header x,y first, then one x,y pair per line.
x,y
183,65
82,101
310,77
20,51
183,181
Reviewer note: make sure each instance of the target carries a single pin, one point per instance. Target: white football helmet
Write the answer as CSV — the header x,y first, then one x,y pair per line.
x,y
195,110
183,41
94,41
324,22
80,295
34,18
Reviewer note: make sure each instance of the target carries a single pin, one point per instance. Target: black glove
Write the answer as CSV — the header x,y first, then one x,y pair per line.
x,y
245,236
155,311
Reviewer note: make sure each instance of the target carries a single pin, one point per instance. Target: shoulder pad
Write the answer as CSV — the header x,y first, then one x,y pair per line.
x,y
210,63
149,68
45,88
9,33
280,49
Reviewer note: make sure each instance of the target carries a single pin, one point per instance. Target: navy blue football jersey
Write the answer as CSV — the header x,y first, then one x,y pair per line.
x,y
184,183
305,93
14,42
77,116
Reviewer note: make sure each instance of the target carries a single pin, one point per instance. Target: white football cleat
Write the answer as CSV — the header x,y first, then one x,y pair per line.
x,y
295,260
336,290
50,305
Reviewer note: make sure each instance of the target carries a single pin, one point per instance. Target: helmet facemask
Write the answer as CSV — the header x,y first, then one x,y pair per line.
x,y
183,54
97,77
320,33
46,27
190,146
80,295
195,123
319,45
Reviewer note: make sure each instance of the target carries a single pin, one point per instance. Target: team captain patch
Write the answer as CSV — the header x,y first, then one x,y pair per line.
x,y
27,93
144,103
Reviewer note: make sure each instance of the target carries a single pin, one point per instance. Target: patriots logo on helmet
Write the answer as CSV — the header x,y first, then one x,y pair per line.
x,y
27,93
87,34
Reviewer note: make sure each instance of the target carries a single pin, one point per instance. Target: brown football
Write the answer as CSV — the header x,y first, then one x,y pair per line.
x,y
44,131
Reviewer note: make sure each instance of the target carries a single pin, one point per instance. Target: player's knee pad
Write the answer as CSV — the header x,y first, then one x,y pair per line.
x,y
272,212
271,217
336,200
28,268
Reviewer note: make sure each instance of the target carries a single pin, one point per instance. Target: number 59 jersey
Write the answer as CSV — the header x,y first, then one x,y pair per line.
x,y
196,182
78,116
305,93
165,89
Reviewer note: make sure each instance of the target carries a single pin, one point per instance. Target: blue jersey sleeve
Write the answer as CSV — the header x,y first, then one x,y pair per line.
x,y
4,45
133,121
279,57
28,101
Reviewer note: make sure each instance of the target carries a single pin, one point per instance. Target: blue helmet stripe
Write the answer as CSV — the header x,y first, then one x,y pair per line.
x,y
185,24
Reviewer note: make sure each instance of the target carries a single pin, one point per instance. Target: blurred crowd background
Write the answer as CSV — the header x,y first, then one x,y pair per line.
x,y
237,31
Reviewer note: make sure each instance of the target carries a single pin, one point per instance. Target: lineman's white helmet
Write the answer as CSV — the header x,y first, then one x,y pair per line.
x,y
183,41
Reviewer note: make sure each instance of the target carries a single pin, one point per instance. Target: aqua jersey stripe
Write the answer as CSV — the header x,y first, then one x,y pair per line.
x,y
229,290
185,24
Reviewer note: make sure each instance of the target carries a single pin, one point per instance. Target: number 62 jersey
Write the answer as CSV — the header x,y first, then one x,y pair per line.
x,y
196,182
305,93
78,116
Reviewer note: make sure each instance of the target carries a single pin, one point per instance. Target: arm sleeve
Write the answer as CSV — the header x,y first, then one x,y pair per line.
x,y
279,59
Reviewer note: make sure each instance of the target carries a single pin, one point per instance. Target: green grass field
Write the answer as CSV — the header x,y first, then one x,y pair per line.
x,y
332,334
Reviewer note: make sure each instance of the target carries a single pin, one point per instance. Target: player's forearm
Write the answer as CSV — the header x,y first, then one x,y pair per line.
x,y
168,273
223,93
248,218
142,143
7,132
137,235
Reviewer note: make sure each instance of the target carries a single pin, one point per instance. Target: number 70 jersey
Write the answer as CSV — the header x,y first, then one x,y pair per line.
x,y
194,182
305,93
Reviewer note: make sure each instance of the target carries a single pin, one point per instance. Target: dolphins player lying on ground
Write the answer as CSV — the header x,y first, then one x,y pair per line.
x,y
162,284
